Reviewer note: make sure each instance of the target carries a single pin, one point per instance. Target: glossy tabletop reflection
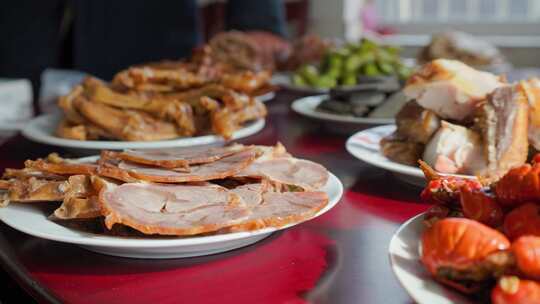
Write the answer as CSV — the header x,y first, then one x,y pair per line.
x,y
340,257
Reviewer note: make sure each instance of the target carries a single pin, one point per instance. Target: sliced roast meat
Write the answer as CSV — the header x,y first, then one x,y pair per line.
x,y
170,209
276,209
250,194
450,88
288,171
222,168
455,149
176,157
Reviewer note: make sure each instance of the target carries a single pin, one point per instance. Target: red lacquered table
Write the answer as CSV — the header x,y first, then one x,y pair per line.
x,y
340,257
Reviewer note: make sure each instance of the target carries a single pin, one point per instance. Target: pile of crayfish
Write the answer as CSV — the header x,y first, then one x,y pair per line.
x,y
483,238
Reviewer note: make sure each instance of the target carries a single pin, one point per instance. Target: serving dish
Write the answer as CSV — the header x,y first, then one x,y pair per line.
x,y
307,106
365,145
42,129
32,219
405,261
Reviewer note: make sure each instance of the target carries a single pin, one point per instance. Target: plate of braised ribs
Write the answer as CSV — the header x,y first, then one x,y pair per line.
x,y
166,203
459,121
478,243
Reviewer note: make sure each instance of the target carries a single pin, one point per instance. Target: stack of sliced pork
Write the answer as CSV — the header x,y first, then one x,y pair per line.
x,y
185,191
460,120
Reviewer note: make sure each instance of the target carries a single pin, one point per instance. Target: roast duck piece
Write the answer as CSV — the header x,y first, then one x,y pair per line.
x,y
483,238
165,100
463,121
179,191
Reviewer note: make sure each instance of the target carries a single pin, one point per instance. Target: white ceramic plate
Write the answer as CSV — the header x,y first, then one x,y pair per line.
x,y
411,273
365,145
266,97
31,219
41,129
307,106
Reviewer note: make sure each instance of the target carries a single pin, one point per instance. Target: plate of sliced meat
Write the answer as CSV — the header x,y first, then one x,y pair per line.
x,y
42,129
167,203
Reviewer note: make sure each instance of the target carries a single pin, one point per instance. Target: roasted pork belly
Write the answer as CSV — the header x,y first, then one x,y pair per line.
x,y
400,149
532,89
450,88
503,120
417,123
455,149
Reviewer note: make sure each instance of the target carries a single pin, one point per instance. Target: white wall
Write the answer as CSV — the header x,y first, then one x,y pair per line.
x,y
336,18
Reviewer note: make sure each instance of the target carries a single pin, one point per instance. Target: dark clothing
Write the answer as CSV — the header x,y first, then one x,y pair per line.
x,y
262,15
102,37
30,33
112,35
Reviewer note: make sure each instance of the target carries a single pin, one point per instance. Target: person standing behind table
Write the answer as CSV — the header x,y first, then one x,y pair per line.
x,y
101,37
112,35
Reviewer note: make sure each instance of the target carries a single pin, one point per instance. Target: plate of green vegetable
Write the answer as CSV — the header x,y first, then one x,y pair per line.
x,y
349,65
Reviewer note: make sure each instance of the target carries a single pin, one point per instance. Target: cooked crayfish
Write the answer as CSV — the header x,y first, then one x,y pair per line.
x,y
526,253
523,220
454,195
513,290
519,185
463,253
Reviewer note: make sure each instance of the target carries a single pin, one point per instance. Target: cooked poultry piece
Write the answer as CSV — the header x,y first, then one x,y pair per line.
x,y
61,168
30,172
174,157
67,130
455,149
401,150
29,190
78,208
80,202
86,131
32,189
157,79
131,125
221,168
66,104
160,107
225,121
450,88
503,120
247,81
416,123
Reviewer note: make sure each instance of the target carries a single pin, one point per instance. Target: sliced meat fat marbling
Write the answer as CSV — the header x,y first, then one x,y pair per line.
x,y
176,157
170,209
222,168
289,171
277,209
